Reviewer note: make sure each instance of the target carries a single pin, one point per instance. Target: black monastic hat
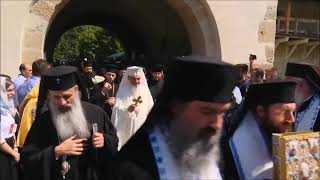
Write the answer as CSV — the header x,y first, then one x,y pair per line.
x,y
157,68
271,92
309,72
183,80
60,78
86,63
112,68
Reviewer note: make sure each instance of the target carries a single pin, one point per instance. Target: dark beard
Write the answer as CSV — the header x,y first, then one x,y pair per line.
x,y
191,153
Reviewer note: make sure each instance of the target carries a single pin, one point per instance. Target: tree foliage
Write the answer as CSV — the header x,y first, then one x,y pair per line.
x,y
91,42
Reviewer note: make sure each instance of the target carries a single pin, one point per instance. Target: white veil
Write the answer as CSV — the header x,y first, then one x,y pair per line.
x,y
127,123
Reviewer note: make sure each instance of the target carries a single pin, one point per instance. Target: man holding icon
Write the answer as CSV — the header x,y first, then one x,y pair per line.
x,y
70,139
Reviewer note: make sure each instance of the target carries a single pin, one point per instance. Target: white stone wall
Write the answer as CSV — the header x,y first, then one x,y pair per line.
x,y
13,15
243,27
246,27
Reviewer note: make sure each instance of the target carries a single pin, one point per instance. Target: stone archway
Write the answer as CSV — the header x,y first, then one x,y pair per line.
x,y
199,31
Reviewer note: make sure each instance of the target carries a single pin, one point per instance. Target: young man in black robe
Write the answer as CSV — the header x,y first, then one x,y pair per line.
x,y
86,75
156,81
180,138
70,139
105,96
247,149
307,77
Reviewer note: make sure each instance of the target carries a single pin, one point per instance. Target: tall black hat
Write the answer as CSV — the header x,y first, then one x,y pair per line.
x,y
183,83
270,92
157,68
59,78
86,63
183,79
112,68
309,72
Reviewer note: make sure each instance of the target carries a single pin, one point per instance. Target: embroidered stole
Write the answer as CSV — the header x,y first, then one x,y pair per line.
x,y
250,151
306,119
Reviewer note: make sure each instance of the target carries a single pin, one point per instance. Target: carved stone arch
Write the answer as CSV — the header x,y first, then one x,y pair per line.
x,y
196,16
201,26
36,26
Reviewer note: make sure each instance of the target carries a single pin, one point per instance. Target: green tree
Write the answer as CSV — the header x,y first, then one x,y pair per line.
x,y
91,42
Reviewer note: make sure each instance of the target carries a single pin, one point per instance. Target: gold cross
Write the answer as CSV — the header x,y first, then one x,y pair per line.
x,y
137,100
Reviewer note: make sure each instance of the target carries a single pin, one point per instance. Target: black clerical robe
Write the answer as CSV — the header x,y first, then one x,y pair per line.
x,y
135,161
155,88
99,98
38,156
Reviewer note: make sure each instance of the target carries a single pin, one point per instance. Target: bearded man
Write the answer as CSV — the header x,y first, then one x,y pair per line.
x,y
268,108
70,139
180,138
307,77
132,104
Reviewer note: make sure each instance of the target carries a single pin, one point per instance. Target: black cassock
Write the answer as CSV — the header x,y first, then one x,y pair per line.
x,y
155,88
135,161
100,99
38,156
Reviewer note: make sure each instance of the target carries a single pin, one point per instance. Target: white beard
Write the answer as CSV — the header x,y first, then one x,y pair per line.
x,y
193,156
70,123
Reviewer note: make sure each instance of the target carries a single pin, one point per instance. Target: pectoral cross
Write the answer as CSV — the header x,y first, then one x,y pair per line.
x,y
137,100
58,80
65,168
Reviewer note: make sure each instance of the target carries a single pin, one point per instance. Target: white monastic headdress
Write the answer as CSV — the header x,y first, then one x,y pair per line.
x,y
127,93
134,70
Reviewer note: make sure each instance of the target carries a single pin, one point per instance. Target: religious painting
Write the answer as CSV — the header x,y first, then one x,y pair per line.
x,y
296,156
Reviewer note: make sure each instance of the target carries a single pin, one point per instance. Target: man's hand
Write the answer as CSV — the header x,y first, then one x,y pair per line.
x,y
70,147
132,107
16,156
111,101
98,140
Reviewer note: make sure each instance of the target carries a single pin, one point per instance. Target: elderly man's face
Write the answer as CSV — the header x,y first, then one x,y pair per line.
x,y
277,118
63,99
27,72
199,118
134,80
302,89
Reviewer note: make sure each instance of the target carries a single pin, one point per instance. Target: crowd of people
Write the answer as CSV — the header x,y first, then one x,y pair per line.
x,y
162,122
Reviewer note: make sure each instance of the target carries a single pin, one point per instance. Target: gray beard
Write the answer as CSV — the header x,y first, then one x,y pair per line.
x,y
70,123
193,154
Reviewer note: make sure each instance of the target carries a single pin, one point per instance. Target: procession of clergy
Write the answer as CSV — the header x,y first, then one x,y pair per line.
x,y
194,118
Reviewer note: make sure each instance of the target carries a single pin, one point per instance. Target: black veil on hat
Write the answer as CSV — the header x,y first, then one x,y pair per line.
x,y
271,92
58,78
183,83
309,72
